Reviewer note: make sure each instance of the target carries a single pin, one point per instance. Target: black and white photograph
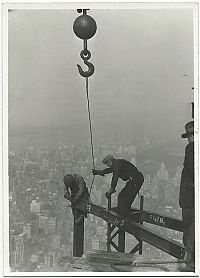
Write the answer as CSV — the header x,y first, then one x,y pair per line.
x,y
100,139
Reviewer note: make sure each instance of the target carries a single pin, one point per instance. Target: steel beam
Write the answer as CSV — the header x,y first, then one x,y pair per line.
x,y
109,227
121,241
162,220
78,238
115,246
142,233
167,245
114,235
135,249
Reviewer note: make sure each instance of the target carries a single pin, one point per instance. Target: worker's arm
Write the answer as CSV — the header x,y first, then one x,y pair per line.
x,y
107,171
102,172
115,176
115,170
189,160
67,195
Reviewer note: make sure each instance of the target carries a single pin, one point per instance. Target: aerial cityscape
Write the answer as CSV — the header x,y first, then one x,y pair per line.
x,y
41,222
137,102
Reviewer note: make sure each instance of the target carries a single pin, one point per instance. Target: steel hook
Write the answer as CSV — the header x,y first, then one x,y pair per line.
x,y
87,73
85,55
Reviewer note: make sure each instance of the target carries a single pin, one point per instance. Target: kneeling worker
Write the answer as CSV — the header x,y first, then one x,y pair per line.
x,y
75,189
125,170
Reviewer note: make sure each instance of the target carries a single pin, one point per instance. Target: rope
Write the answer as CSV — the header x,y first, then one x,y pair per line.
x,y
90,127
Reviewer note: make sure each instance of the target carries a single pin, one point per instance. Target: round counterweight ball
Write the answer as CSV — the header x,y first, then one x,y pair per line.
x,y
84,27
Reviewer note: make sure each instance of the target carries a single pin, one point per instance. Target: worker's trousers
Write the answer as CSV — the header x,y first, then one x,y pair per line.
x,y
189,235
128,194
85,197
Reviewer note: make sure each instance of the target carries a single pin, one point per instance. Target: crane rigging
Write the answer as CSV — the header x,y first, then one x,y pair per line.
x,y
85,28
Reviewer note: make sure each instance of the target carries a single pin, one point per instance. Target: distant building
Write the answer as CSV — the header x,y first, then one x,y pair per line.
x,y
48,260
35,207
95,243
19,174
52,225
27,229
84,171
44,223
162,173
19,249
56,241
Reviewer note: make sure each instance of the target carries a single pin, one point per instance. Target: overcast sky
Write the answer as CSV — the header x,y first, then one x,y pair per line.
x,y
143,76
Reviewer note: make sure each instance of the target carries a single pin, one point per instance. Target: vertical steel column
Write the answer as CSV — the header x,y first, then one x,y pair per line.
x,y
109,226
121,241
78,238
141,222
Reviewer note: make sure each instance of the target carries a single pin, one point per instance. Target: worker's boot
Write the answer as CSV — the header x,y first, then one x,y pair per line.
x,y
187,267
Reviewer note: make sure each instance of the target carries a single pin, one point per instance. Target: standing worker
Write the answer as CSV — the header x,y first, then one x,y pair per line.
x,y
125,170
75,189
186,199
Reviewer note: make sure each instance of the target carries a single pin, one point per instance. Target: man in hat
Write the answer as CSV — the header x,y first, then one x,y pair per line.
x,y
125,170
186,199
75,189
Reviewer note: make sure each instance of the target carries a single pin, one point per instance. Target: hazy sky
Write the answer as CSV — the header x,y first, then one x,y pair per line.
x,y
140,56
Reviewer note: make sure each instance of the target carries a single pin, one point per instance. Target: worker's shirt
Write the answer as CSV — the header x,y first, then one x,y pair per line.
x,y
123,169
186,198
78,187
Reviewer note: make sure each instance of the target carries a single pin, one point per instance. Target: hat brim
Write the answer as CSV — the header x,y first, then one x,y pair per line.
x,y
186,135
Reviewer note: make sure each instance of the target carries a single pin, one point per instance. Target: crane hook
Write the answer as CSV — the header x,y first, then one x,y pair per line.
x,y
85,55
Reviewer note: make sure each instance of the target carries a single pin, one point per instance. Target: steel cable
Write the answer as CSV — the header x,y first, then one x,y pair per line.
x,y
90,128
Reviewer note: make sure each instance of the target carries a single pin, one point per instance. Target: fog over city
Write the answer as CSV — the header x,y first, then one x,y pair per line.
x,y
142,84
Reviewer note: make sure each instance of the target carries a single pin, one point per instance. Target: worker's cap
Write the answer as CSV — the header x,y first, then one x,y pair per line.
x,y
68,179
189,128
108,158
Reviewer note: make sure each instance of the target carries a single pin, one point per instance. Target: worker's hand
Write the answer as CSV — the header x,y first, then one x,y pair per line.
x,y
68,197
110,192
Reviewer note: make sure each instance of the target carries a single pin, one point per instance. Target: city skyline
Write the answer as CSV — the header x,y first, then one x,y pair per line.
x,y
41,223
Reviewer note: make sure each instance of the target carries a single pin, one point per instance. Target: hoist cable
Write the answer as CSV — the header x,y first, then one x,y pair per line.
x,y
90,127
